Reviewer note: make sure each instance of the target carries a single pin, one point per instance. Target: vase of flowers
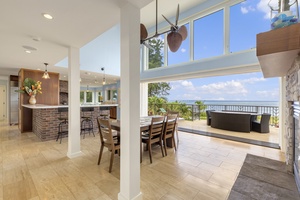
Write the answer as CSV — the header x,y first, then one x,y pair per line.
x,y
32,100
32,88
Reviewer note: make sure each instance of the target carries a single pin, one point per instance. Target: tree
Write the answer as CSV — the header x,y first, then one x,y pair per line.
x,y
158,89
156,60
201,108
154,103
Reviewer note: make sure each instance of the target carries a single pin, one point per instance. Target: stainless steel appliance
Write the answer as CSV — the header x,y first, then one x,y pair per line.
x,y
14,101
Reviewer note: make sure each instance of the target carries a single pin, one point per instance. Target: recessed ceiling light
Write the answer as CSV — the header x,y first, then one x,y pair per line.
x,y
47,16
27,51
29,48
37,39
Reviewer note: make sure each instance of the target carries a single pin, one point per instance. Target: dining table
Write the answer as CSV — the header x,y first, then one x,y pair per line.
x,y
145,123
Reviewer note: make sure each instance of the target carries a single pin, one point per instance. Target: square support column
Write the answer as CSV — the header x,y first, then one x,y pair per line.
x,y
74,103
282,113
130,101
144,99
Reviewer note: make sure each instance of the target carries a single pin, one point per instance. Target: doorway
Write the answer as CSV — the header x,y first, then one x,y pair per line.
x,y
3,107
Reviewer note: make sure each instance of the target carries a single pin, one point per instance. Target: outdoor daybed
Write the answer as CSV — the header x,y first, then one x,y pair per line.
x,y
232,121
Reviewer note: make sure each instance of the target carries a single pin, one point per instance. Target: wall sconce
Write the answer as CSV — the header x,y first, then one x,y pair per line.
x,y
46,75
103,81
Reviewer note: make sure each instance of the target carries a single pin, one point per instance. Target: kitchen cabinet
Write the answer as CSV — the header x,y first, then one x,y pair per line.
x,y
49,96
113,112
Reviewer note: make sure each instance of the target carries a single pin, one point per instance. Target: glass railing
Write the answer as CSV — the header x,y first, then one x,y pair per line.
x,y
192,112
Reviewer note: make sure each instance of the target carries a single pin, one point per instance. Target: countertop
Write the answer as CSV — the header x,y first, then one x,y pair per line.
x,y
43,106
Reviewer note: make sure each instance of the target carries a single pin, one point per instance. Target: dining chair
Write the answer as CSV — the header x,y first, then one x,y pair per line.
x,y
154,135
262,126
108,138
208,117
176,113
169,130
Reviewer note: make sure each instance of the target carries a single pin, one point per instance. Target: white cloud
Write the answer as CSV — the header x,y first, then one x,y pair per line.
x,y
186,83
228,87
268,93
189,96
263,7
253,80
244,10
182,85
183,50
247,9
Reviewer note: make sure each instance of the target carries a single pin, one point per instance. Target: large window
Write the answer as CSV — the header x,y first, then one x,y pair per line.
x,y
108,95
156,52
183,53
89,97
86,97
111,95
99,97
81,97
114,95
246,20
208,36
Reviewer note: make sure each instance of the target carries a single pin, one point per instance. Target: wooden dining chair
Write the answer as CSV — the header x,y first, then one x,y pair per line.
x,y
154,135
169,130
109,139
176,113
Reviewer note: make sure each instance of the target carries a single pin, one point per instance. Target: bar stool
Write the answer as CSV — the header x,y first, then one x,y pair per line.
x,y
87,121
63,125
104,114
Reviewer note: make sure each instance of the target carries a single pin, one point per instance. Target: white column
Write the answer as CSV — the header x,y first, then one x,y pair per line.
x,y
74,103
144,99
282,102
130,101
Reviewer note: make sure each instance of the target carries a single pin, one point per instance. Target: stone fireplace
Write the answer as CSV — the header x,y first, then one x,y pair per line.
x,y
292,122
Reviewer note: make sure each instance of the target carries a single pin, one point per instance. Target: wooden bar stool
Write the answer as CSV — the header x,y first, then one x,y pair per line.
x,y
87,121
63,125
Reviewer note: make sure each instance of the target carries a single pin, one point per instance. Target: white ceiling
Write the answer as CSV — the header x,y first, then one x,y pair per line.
x,y
75,23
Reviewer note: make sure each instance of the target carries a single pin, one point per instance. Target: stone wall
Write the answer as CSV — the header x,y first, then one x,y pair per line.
x,y
292,94
45,121
63,92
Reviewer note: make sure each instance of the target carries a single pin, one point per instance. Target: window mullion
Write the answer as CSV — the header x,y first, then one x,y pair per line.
x,y
226,29
191,40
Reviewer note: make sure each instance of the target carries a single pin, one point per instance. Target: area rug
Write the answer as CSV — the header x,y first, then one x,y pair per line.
x,y
263,178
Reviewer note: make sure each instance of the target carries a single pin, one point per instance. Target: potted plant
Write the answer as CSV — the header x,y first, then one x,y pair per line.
x,y
32,88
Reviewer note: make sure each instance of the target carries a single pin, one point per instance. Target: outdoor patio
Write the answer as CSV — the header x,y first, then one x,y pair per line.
x,y
200,125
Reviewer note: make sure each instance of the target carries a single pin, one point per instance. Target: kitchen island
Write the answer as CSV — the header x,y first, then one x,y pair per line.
x,y
45,118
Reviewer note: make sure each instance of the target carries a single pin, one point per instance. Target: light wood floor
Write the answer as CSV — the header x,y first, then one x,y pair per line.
x,y
203,168
272,137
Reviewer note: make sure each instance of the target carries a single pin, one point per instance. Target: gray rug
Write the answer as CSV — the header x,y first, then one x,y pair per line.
x,y
263,178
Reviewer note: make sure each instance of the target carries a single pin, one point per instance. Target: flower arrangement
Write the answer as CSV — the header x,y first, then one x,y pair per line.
x,y
31,87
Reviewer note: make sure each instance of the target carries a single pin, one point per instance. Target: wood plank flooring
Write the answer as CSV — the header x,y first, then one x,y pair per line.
x,y
202,168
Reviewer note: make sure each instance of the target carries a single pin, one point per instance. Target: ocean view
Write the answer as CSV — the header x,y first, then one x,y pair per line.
x,y
232,102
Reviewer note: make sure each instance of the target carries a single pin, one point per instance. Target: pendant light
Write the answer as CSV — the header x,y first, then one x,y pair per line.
x,y
103,81
46,75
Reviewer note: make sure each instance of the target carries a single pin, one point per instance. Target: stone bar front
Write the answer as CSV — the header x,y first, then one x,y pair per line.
x,y
45,118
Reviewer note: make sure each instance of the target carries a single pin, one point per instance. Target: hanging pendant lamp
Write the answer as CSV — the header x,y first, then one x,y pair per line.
x,y
103,80
46,75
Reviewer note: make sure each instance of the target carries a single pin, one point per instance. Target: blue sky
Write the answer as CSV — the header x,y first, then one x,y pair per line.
x,y
251,87
247,19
